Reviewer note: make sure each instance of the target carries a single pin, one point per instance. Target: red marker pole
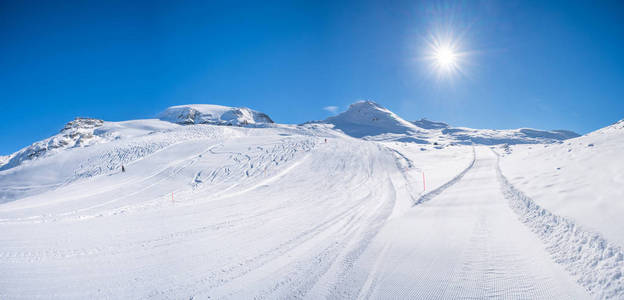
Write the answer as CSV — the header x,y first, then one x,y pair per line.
x,y
424,185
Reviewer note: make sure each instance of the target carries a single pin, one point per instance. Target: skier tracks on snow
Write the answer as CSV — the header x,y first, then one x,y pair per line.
x,y
428,196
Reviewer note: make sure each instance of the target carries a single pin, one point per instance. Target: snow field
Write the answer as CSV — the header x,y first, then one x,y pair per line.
x,y
308,211
260,212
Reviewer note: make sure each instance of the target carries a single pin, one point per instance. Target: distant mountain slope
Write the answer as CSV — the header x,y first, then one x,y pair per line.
x,y
213,114
76,133
84,132
4,159
371,121
363,119
616,128
426,124
367,118
465,135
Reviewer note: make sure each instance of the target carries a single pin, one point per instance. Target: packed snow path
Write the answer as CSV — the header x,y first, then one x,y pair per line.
x,y
464,243
278,217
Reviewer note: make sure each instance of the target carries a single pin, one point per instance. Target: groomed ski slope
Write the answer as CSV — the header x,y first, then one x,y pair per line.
x,y
464,243
240,213
281,213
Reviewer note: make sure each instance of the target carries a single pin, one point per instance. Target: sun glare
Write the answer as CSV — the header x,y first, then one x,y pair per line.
x,y
444,56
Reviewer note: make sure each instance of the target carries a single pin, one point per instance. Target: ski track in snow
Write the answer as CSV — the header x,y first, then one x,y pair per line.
x,y
430,195
460,247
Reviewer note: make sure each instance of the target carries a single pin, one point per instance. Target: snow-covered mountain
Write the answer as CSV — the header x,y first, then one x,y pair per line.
x,y
84,132
367,118
76,133
616,128
213,114
363,119
371,121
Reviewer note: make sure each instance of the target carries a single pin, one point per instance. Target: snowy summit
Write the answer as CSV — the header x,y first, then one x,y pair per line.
x,y
367,118
371,121
213,114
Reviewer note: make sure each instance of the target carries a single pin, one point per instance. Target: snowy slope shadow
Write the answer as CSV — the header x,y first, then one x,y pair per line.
x,y
597,263
428,196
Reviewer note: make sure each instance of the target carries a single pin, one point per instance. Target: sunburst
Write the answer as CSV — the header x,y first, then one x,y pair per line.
x,y
445,56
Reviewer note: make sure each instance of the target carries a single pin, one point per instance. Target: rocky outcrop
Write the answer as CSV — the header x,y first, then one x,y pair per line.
x,y
76,133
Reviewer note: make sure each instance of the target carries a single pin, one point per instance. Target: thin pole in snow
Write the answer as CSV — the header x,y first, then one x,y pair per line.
x,y
171,197
424,185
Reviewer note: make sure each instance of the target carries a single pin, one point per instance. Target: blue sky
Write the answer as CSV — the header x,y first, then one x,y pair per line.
x,y
540,64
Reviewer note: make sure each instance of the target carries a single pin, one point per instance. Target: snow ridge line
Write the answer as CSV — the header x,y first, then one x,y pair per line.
x,y
409,162
597,263
428,196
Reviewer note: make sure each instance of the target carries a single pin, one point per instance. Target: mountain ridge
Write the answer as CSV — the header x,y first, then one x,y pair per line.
x,y
363,119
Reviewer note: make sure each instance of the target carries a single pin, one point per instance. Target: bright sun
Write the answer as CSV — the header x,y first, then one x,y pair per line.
x,y
445,57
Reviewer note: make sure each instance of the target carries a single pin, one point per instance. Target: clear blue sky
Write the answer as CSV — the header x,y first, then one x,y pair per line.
x,y
540,64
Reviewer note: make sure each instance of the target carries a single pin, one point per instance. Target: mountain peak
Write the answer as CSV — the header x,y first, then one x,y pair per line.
x,y
82,123
367,118
366,103
213,114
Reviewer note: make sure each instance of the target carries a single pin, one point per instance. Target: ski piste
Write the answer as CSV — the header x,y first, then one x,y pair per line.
x,y
219,202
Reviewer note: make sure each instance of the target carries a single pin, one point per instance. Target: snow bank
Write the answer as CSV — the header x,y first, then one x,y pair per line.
x,y
597,263
570,195
581,178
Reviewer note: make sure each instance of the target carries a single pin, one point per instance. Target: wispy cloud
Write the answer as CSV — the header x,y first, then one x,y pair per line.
x,y
332,109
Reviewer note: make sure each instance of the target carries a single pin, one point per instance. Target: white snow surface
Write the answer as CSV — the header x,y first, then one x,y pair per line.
x,y
578,185
70,155
213,114
583,178
308,211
